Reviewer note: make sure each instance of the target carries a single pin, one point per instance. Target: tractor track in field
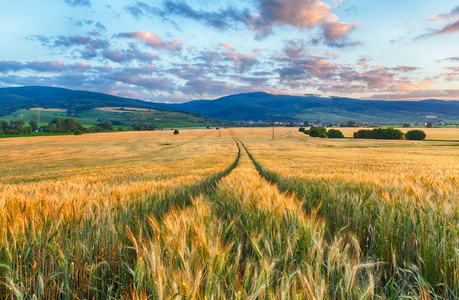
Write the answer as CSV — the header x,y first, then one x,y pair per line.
x,y
183,198
169,147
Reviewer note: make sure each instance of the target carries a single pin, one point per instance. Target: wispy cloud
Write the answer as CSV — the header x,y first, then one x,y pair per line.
x,y
128,55
75,3
42,66
451,27
454,13
152,40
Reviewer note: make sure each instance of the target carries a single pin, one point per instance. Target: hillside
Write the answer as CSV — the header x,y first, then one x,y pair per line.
x,y
265,107
15,103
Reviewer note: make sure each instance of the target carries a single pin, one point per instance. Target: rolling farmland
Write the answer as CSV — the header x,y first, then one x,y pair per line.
x,y
153,215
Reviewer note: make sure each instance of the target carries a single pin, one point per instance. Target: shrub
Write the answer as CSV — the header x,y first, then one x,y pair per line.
x,y
406,125
379,133
302,129
176,131
77,132
335,134
415,135
429,125
317,132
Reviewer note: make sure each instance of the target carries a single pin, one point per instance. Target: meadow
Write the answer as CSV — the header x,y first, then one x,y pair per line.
x,y
153,215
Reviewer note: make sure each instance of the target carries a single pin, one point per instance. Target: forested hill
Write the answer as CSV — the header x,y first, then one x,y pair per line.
x,y
266,107
13,99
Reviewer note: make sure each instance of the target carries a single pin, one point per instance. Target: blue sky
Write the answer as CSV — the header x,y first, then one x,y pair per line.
x,y
180,50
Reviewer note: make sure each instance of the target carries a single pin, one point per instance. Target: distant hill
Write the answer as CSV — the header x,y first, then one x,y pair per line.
x,y
266,107
15,102
13,99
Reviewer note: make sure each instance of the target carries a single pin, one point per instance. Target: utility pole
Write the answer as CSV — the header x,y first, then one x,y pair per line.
x,y
38,121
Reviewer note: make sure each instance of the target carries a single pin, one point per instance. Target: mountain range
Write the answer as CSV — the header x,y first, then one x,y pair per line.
x,y
266,107
242,107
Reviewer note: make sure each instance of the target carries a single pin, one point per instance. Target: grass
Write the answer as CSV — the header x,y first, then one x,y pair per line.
x,y
153,215
161,119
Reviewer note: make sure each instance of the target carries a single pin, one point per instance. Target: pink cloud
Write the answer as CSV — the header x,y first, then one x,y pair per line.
x,y
450,28
227,46
152,40
337,30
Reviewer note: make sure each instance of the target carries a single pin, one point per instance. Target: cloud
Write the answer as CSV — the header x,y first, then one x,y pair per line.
x,y
405,69
337,30
452,94
152,40
450,28
296,13
454,13
201,86
76,40
6,66
42,66
136,79
75,3
227,46
454,58
100,27
453,26
128,55
243,61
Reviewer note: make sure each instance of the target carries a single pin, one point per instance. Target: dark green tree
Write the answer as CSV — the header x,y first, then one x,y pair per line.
x,y
406,125
335,134
34,125
415,135
429,125
351,124
176,131
318,132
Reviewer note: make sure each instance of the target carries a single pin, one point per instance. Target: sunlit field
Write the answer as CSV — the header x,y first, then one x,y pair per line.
x,y
153,215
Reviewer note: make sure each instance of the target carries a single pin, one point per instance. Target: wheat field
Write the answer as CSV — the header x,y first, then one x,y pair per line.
x,y
153,215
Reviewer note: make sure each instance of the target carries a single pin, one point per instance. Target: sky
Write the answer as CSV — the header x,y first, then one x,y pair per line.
x,y
182,50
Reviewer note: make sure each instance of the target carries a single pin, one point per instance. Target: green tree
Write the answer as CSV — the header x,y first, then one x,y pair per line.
x,y
77,132
351,124
406,125
415,135
176,131
429,125
302,129
318,132
306,123
335,134
379,133
34,125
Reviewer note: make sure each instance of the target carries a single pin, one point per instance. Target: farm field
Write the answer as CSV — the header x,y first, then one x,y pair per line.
x,y
153,215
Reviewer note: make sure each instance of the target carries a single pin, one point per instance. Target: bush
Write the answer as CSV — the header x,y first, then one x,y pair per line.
x,y
379,133
415,135
406,125
77,132
335,134
429,125
302,129
176,131
318,132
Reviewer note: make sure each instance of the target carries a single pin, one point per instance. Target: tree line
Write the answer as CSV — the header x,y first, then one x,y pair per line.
x,y
376,133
